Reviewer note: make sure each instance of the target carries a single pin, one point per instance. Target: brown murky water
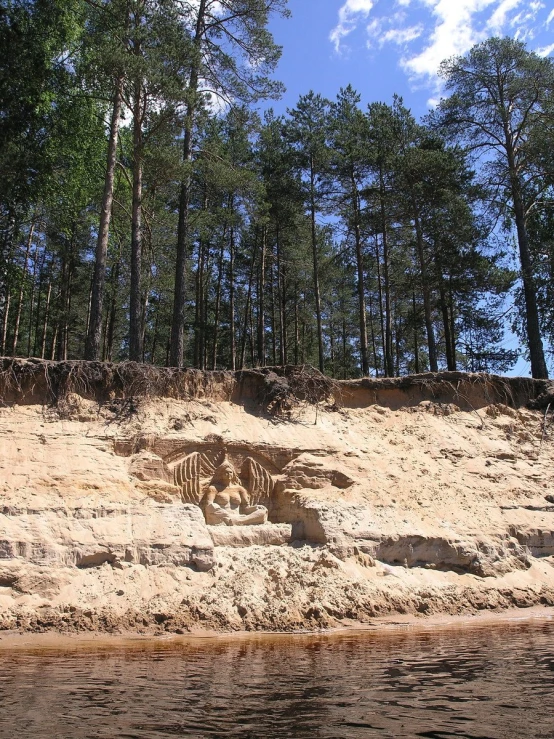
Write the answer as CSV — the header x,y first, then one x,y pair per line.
x,y
495,682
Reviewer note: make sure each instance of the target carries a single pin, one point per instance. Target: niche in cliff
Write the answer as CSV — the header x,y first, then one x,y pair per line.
x,y
269,477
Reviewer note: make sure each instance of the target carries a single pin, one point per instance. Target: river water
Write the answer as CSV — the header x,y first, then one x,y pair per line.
x,y
493,682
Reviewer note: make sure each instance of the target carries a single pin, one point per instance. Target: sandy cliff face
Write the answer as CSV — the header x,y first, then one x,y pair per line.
x,y
422,495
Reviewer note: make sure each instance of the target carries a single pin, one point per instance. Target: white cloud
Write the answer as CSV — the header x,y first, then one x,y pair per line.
x,y
524,23
545,50
400,36
349,15
454,33
430,31
498,19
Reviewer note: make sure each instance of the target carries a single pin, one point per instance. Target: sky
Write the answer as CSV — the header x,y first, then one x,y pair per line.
x,y
382,47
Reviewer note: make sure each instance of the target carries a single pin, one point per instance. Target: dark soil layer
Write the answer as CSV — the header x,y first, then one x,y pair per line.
x,y
276,391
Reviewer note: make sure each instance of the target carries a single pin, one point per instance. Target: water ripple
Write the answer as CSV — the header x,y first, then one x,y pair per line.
x,y
486,683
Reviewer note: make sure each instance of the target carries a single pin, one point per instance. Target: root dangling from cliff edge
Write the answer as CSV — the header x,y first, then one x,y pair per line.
x,y
277,391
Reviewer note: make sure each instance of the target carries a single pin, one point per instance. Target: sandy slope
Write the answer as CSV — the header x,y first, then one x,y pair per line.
x,y
404,501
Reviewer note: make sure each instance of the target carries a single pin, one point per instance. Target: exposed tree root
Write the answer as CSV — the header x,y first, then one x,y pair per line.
x,y
279,392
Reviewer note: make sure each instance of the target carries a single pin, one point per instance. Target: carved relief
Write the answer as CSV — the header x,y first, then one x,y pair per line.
x,y
234,484
209,479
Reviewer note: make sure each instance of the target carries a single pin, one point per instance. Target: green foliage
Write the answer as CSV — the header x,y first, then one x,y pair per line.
x,y
500,102
358,239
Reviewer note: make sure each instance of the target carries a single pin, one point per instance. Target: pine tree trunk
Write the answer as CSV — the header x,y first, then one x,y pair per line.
x,y
344,341
135,305
361,288
62,325
178,320
381,311
247,312
416,339
54,343
94,334
143,313
197,303
45,323
105,334
533,330
112,313
444,308
251,336
32,306
452,322
315,257
6,257
450,357
218,299
8,299
398,331
373,341
332,343
389,360
296,331
110,332
536,350
273,318
21,289
205,309
62,328
201,292
232,298
154,338
261,302
303,334
89,306
67,312
281,298
426,290
39,301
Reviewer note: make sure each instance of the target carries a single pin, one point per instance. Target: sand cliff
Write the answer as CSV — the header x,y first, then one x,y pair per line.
x,y
423,495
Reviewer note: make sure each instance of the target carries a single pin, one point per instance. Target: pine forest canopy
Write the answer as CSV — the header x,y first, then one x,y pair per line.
x,y
149,211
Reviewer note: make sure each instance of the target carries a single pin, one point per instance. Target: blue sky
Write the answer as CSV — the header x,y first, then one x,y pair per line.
x,y
387,46
383,47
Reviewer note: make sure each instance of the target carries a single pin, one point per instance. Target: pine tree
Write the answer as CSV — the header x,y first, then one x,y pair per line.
x,y
498,94
103,65
308,133
349,142
233,54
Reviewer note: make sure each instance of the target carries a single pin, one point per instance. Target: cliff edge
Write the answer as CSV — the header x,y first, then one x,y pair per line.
x,y
155,500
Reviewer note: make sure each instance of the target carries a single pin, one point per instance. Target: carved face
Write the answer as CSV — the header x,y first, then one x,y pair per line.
x,y
225,473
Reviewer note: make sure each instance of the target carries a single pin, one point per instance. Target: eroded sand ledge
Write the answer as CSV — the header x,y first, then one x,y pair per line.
x,y
386,627
418,496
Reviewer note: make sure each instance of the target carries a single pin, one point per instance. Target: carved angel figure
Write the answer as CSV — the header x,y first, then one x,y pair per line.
x,y
224,500
227,502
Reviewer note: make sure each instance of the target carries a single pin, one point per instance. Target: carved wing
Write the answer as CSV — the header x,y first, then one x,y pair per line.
x,y
194,468
210,460
257,481
187,477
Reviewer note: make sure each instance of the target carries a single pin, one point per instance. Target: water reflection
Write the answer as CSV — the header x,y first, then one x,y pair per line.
x,y
487,683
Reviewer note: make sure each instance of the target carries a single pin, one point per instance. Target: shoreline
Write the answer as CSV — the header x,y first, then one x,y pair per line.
x,y
387,626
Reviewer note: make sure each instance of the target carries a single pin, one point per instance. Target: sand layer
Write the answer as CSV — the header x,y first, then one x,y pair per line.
x,y
415,497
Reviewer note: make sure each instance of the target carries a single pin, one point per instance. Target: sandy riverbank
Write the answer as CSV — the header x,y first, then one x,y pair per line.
x,y
385,628
430,496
